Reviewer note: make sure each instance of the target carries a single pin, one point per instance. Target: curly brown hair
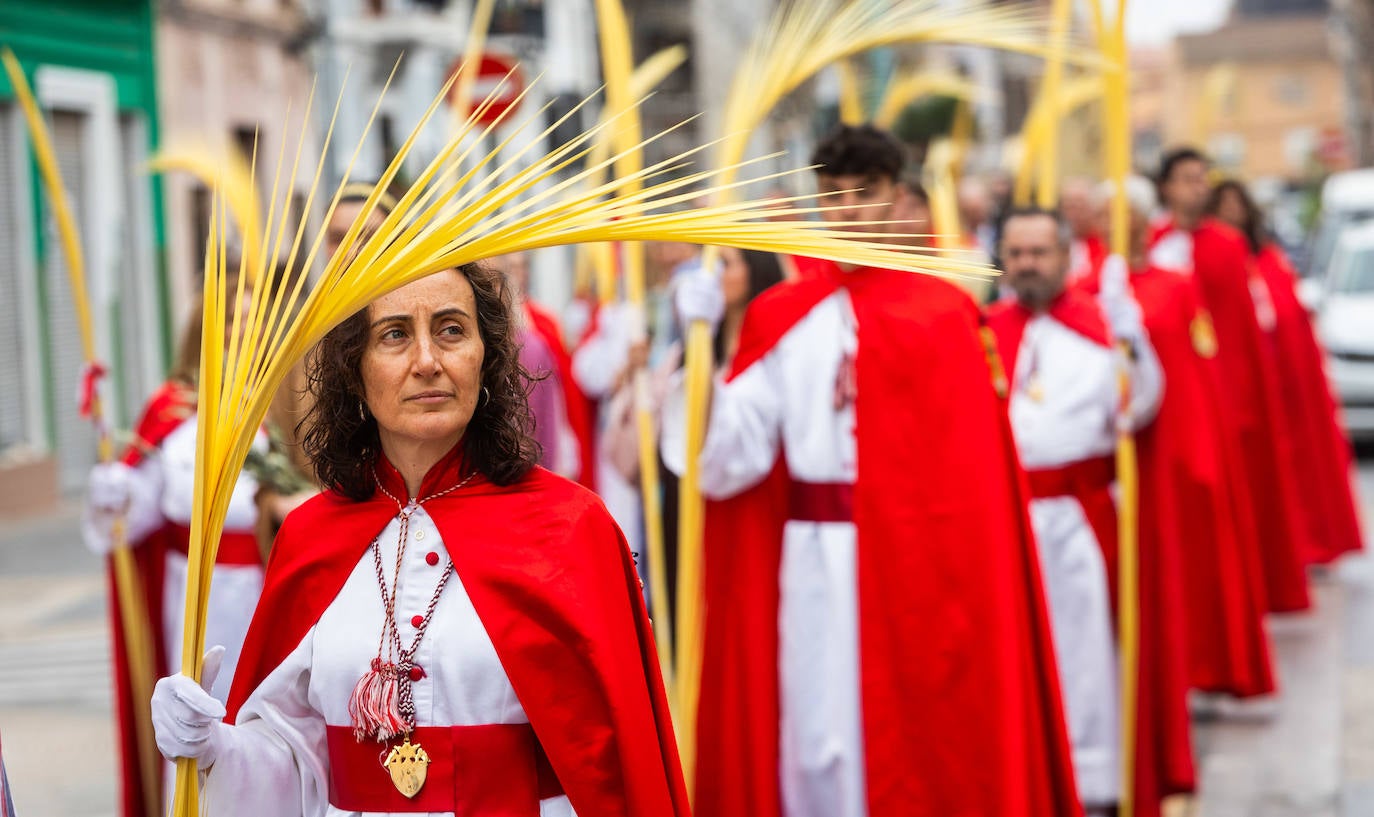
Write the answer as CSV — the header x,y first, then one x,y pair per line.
x,y
341,439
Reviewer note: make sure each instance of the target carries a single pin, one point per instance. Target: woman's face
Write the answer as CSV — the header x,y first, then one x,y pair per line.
x,y
345,213
1231,209
734,278
422,366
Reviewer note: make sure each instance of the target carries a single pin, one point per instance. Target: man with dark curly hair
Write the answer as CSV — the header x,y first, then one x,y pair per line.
x,y
876,638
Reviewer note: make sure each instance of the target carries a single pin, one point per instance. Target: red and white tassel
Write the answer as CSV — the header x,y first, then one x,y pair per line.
x,y
374,705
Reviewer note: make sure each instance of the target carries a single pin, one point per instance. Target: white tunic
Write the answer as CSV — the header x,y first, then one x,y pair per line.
x,y
786,403
274,762
596,364
235,589
1064,406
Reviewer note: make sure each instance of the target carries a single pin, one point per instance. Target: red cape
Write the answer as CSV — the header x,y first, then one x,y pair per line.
x,y
577,408
1190,486
1163,741
1073,308
1322,456
168,408
962,711
553,583
1223,272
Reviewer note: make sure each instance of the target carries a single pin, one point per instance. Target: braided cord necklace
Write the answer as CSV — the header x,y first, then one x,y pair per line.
x,y
382,705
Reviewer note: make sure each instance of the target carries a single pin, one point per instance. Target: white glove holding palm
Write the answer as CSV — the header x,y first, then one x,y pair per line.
x,y
117,491
1118,304
699,297
187,720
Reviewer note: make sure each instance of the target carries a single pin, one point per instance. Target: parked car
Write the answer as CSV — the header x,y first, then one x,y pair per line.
x,y
1345,325
1347,199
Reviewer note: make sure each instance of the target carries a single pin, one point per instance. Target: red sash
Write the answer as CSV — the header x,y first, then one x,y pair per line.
x,y
492,770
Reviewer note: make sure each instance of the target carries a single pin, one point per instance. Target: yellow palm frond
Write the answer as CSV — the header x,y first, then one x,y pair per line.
x,y
231,174
903,91
851,94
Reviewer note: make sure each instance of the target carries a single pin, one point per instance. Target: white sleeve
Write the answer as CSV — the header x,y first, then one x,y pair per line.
x,y
274,760
602,356
744,432
1147,384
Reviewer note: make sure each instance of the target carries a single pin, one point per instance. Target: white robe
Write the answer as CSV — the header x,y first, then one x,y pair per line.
x,y
595,365
274,762
1075,419
785,402
234,589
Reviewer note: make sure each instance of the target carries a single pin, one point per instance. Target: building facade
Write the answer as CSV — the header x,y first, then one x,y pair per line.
x,y
1262,94
232,75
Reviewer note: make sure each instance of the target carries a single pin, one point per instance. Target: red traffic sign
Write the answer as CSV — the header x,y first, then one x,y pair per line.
x,y
496,73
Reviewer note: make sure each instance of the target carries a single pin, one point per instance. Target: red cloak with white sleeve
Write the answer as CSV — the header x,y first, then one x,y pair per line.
x,y
961,704
1219,261
553,584
1322,455
168,408
1163,741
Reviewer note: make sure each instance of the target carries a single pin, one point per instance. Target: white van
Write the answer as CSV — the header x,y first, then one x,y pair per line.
x,y
1347,198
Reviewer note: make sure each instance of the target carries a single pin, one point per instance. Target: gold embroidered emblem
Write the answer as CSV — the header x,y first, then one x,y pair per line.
x,y
409,766
1203,334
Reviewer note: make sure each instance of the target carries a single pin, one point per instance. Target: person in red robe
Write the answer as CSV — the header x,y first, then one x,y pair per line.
x,y
1195,511
876,636
149,491
564,417
1065,401
1320,452
448,628
1190,243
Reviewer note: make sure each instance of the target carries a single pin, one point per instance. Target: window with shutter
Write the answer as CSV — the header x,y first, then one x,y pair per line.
x,y
14,380
136,289
76,443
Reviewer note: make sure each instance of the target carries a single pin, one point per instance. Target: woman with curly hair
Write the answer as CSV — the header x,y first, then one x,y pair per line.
x,y
447,629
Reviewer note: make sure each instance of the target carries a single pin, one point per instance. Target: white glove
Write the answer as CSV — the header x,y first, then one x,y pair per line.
x,y
1118,305
110,491
110,487
187,720
116,491
699,297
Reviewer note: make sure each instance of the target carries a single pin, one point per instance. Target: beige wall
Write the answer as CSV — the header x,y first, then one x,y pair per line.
x,y
222,66
1270,109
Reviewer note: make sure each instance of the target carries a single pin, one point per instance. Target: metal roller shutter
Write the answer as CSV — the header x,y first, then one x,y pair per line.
x,y
13,383
75,438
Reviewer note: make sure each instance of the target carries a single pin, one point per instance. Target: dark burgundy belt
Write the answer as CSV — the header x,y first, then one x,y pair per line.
x,y
820,501
491,770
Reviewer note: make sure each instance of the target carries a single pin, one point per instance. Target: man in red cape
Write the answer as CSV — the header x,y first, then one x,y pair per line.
x,y
876,635
1216,257
1195,511
1065,407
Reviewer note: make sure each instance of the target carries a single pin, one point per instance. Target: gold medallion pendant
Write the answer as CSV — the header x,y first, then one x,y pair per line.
x,y
408,765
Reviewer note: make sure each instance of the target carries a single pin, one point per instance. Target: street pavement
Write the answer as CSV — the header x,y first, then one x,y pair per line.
x,y
1310,753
